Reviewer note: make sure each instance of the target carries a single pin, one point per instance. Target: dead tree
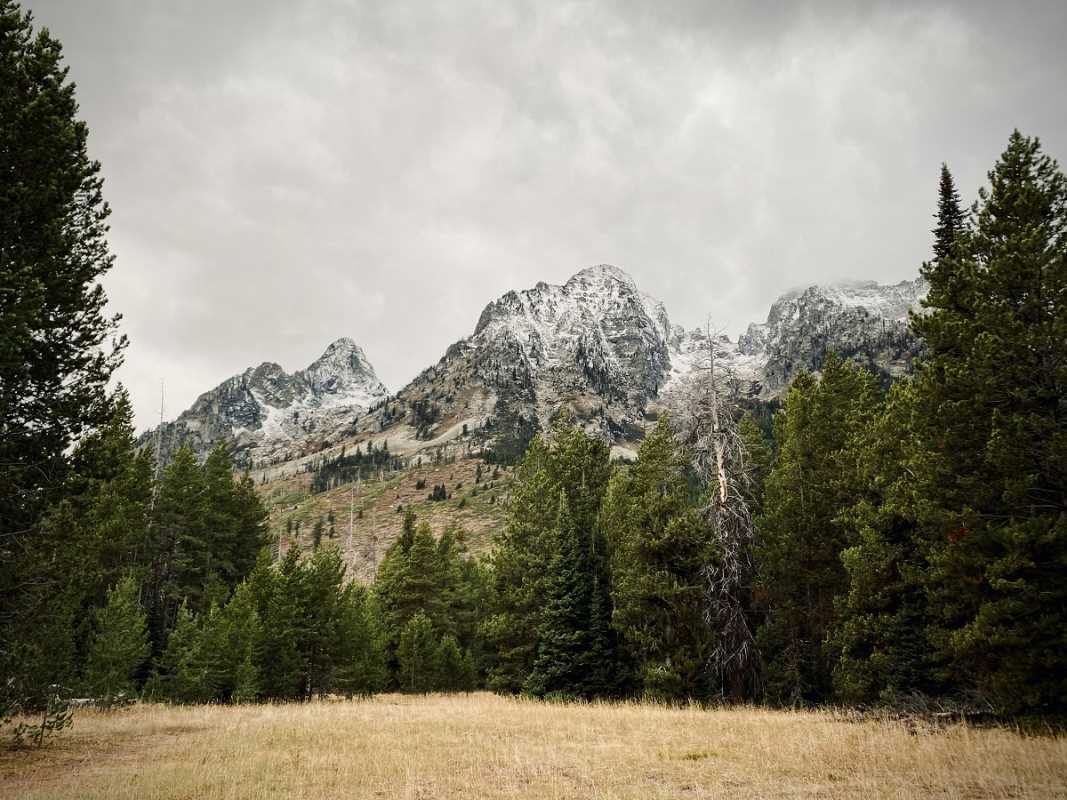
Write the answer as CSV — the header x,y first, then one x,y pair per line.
x,y
709,416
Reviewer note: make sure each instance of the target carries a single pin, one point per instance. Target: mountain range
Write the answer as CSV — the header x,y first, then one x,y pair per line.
x,y
597,345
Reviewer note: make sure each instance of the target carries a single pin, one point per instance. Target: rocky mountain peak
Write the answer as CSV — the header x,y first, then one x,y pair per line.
x,y
267,413
343,375
864,320
601,275
595,344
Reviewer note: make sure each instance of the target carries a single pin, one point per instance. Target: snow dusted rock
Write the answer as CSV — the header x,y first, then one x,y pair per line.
x,y
595,334
690,353
865,321
608,352
267,414
596,345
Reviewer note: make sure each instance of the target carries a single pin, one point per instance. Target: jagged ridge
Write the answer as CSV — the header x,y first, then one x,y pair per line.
x,y
266,414
596,344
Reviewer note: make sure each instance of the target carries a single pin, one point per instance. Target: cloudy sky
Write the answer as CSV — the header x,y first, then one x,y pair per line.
x,y
285,173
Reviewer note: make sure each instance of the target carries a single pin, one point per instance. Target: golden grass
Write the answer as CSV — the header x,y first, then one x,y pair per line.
x,y
482,746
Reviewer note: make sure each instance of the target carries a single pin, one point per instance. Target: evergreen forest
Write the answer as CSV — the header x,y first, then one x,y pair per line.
x,y
908,542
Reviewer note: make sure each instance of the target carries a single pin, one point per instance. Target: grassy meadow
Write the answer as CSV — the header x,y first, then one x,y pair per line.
x,y
484,746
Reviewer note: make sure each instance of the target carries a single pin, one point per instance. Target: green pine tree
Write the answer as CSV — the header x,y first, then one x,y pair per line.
x,y
58,348
95,537
417,655
880,634
563,632
323,582
800,575
993,387
238,641
178,550
120,644
361,664
449,665
659,546
410,581
280,602
176,677
571,461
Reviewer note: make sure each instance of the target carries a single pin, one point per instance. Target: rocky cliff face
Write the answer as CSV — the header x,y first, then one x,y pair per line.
x,y
266,414
864,321
596,345
600,346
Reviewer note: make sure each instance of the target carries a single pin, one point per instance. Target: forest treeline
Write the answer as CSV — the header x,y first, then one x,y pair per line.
x,y
908,545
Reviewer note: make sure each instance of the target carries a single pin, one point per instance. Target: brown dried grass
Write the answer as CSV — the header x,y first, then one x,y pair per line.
x,y
483,746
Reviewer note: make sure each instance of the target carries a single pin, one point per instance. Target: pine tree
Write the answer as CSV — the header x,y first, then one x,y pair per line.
x,y
323,580
951,220
449,666
212,664
246,681
879,637
58,350
519,559
465,590
416,655
659,547
95,536
120,644
799,571
178,550
410,581
280,601
434,577
608,672
563,632
239,640
993,384
361,666
176,675
568,460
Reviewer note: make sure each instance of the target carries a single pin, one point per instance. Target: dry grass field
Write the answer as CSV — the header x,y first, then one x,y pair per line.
x,y
482,746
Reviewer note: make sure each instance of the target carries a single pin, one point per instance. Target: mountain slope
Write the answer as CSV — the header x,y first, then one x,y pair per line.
x,y
608,352
864,321
596,345
266,414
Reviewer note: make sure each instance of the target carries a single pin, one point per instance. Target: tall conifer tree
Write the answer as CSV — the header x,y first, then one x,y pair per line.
x,y
994,384
563,632
799,571
120,644
659,547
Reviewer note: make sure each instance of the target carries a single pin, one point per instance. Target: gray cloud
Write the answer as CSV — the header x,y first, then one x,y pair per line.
x,y
285,173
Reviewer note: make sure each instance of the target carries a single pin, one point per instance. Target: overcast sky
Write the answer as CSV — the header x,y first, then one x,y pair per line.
x,y
285,173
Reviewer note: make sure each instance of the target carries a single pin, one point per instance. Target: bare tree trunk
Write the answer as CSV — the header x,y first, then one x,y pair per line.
x,y
710,417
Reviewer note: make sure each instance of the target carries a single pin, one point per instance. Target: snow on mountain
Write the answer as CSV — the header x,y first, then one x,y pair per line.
x,y
607,351
865,321
266,414
596,344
